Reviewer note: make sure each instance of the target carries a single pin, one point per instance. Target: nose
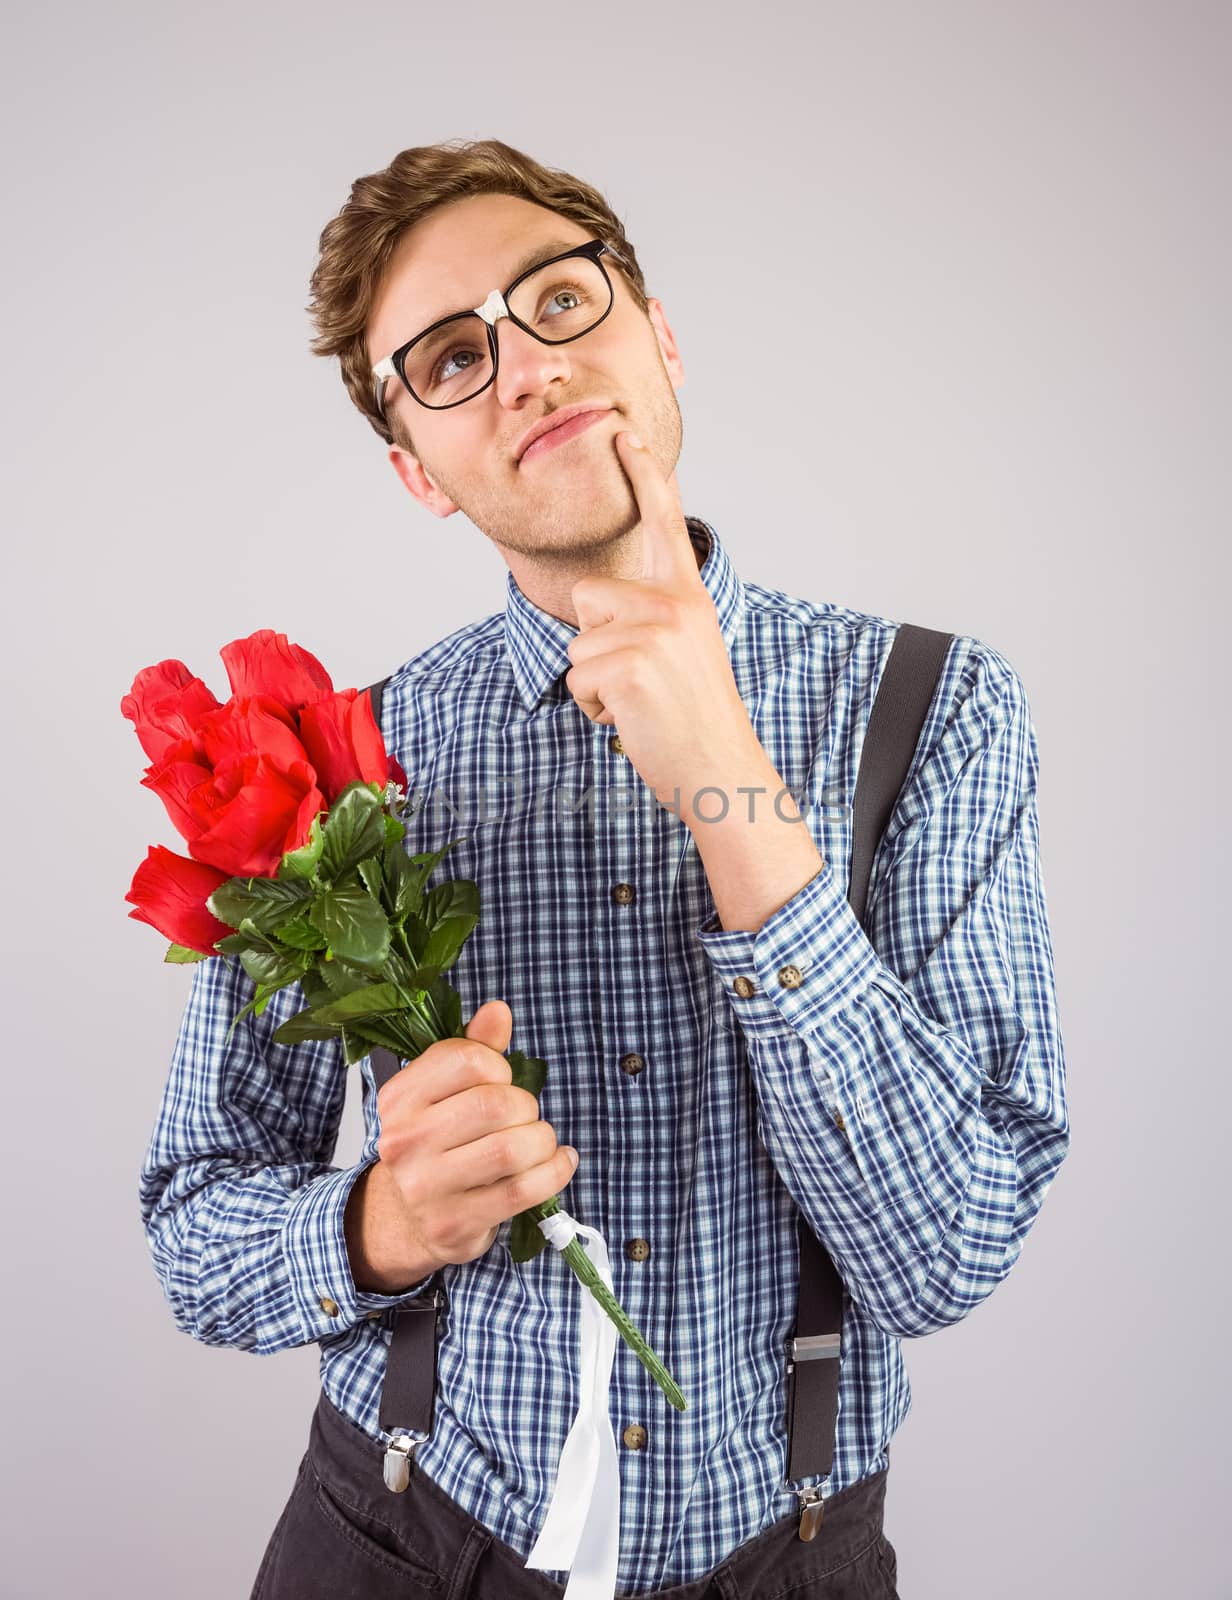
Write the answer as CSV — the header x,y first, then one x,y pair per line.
x,y
525,365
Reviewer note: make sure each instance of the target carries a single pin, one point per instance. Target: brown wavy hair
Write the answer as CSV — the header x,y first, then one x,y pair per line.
x,y
356,245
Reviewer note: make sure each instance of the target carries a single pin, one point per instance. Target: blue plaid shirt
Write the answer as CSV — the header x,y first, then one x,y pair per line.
x,y
908,1095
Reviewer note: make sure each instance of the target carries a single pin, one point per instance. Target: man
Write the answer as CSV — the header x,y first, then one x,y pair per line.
x,y
664,757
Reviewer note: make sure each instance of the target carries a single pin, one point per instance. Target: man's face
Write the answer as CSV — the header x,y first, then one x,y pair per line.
x,y
566,500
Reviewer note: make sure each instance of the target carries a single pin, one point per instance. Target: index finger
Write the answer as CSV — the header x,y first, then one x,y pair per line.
x,y
667,551
447,1067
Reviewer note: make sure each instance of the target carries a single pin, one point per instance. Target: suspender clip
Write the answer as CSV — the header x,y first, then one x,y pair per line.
x,y
812,1508
397,1464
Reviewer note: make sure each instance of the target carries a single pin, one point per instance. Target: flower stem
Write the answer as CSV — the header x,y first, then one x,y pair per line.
x,y
588,1273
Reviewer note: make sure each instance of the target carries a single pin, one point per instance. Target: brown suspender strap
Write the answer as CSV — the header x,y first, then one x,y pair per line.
x,y
903,698
904,695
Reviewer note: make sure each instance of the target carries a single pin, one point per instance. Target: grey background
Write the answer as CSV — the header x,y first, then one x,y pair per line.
x,y
1005,413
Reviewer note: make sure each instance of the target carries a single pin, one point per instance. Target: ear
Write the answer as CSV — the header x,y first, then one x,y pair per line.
x,y
411,471
667,341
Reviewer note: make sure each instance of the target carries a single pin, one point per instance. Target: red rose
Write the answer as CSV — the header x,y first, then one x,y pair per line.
x,y
344,744
243,782
251,813
251,794
267,663
170,892
166,705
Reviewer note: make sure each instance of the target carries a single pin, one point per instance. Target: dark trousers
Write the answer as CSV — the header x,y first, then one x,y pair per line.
x,y
343,1535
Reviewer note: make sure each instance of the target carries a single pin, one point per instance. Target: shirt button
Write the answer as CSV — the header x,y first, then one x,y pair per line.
x,y
615,746
328,1306
632,1063
635,1436
839,1123
623,894
790,977
373,1314
637,1249
744,987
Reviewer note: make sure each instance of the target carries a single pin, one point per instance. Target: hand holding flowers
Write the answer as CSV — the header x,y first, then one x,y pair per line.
x,y
292,811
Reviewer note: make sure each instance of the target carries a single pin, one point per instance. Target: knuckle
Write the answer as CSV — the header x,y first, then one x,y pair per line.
x,y
475,1055
493,1102
502,1152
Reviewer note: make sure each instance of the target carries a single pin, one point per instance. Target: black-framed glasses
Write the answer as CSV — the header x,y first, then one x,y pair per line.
x,y
458,357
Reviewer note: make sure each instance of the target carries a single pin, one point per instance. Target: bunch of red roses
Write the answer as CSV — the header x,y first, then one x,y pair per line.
x,y
297,865
243,782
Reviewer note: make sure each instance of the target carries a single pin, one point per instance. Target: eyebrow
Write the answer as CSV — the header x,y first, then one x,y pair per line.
x,y
532,258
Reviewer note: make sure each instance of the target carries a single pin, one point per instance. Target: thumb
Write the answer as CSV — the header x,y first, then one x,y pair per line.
x,y
492,1025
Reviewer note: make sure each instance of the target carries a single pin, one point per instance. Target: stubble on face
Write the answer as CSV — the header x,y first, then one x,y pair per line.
x,y
574,507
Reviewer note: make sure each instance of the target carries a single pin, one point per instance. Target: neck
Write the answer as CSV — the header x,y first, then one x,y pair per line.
x,y
547,578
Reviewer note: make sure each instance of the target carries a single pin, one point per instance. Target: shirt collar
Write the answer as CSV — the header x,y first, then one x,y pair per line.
x,y
538,642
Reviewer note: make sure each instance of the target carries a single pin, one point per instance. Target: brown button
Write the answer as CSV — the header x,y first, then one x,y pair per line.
x,y
615,746
623,894
744,987
632,1063
637,1249
839,1123
790,977
328,1306
635,1436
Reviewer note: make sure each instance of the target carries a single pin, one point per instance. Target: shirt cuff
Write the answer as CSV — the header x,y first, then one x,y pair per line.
x,y
809,959
319,1264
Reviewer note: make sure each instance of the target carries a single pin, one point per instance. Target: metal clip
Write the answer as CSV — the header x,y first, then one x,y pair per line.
x,y
812,1508
397,1463
815,1346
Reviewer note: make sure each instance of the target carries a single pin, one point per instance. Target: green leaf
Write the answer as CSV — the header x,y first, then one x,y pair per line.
x,y
451,912
377,999
302,863
353,923
400,879
415,932
300,934
529,1072
397,969
296,1029
274,969
354,1046
182,953
257,938
426,863
447,1005
526,1238
354,828
390,1032
325,1021
395,831
265,902
316,990
373,878
256,1005
344,977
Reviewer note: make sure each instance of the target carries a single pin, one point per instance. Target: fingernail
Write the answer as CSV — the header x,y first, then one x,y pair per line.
x,y
573,1157
634,442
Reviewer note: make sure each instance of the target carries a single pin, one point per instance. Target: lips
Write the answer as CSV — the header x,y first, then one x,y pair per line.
x,y
569,421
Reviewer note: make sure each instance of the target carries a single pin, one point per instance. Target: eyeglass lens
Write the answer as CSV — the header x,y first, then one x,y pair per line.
x,y
558,301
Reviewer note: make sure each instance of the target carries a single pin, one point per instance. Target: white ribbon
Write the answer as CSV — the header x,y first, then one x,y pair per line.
x,y
581,1532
